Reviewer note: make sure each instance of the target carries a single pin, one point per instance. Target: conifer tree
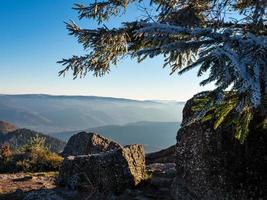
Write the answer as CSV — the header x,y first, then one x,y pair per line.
x,y
224,38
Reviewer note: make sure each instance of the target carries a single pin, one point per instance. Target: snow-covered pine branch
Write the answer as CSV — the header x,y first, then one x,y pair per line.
x,y
226,39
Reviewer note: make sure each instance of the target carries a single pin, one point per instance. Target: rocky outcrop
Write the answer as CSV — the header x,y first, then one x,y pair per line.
x,y
84,143
212,164
163,156
113,171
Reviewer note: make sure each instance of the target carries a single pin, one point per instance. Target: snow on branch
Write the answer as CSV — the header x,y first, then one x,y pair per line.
x,y
160,28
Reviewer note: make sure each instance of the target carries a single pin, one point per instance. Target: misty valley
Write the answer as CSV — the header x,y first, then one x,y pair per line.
x,y
151,123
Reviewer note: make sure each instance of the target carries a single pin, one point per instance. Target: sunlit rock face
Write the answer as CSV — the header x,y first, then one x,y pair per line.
x,y
214,165
112,171
84,143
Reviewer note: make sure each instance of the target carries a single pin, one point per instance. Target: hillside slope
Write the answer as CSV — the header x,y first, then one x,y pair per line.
x,y
6,127
20,137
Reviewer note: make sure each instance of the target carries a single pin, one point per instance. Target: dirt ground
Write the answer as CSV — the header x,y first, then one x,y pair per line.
x,y
13,186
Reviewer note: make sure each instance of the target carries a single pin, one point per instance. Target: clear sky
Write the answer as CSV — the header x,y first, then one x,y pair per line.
x,y
33,38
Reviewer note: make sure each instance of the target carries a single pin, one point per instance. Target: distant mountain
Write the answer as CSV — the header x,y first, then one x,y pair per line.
x,y
47,113
6,127
153,135
19,137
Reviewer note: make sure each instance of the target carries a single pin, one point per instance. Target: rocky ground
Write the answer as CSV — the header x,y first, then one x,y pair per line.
x,y
15,186
34,186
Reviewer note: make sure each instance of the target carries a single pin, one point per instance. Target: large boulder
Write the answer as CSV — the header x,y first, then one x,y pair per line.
x,y
84,143
112,171
212,164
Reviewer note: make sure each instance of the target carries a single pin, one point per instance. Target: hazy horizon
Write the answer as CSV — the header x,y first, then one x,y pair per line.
x,y
89,95
47,113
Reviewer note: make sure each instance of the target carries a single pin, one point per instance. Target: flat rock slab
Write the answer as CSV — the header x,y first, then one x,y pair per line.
x,y
113,171
84,143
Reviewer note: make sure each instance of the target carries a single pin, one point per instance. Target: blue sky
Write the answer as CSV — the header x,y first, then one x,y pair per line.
x,y
33,38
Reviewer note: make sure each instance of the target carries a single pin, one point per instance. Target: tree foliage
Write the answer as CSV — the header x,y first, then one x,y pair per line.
x,y
224,38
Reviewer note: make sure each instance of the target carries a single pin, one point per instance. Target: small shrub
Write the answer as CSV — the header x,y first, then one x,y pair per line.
x,y
5,158
36,157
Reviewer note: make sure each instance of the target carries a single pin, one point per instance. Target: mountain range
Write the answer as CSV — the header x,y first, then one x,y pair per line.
x,y
47,114
153,135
